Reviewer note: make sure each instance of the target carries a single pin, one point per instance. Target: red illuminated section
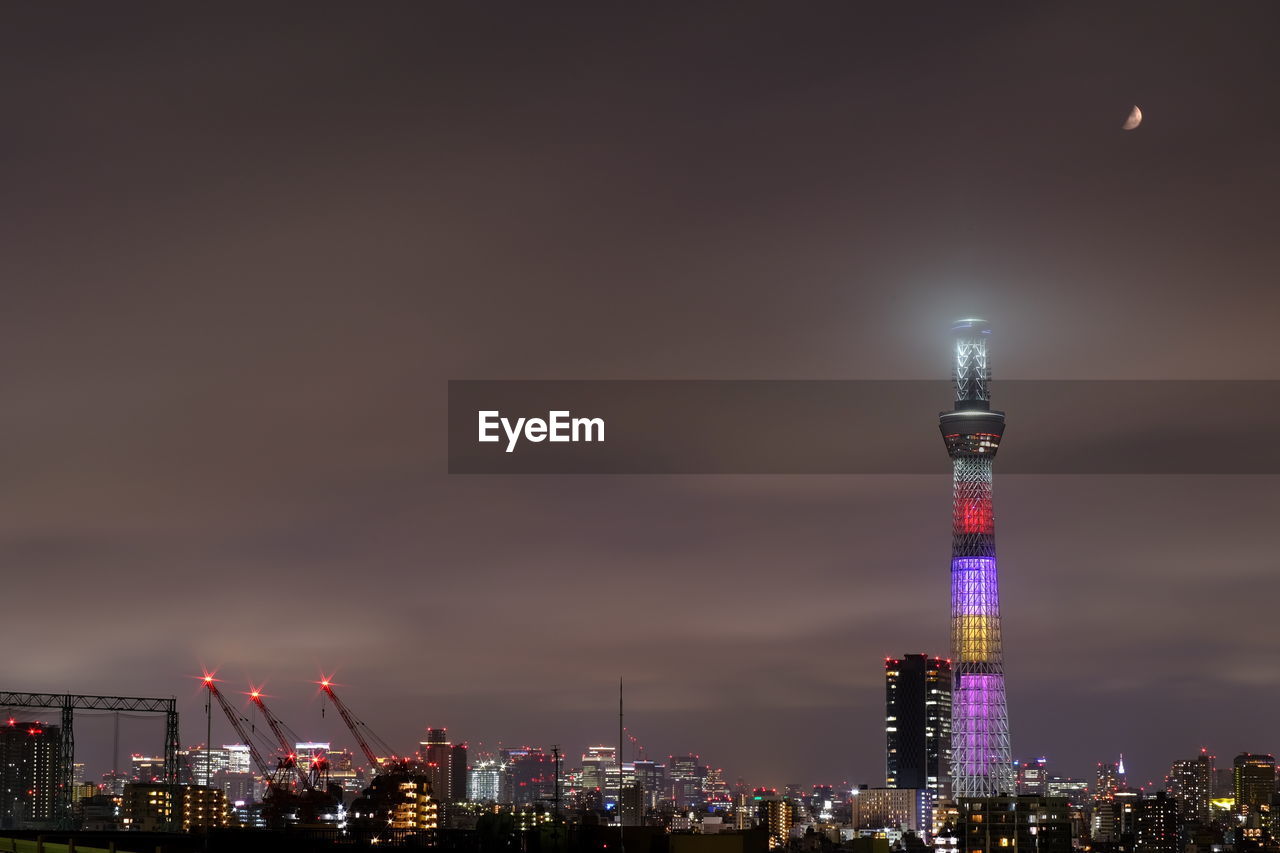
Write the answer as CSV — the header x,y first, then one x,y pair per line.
x,y
974,516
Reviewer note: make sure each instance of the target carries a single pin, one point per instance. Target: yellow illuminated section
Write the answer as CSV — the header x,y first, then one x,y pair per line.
x,y
975,638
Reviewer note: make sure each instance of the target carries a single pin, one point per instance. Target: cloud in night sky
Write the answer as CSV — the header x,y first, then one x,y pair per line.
x,y
243,253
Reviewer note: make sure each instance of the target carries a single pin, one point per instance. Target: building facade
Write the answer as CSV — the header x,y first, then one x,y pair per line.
x,y
918,723
903,809
1254,775
1191,784
29,773
1014,825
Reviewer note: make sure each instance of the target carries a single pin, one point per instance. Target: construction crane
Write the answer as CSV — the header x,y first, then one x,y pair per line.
x,y
290,758
238,724
360,731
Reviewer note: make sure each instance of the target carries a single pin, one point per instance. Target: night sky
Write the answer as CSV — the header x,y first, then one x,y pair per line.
x,y
242,251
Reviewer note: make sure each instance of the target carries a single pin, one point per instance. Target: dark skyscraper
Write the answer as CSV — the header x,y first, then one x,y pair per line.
x,y
1156,827
436,752
29,762
981,760
458,773
1255,781
1191,783
918,723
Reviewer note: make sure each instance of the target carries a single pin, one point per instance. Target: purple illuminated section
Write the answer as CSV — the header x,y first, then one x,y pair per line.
x,y
979,723
974,589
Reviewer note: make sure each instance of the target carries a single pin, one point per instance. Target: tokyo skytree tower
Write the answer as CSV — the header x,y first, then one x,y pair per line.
x,y
981,763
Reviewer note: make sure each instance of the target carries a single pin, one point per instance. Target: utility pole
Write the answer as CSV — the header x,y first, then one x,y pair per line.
x,y
555,818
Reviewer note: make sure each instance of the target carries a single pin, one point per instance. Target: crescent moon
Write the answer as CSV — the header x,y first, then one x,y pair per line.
x,y
1134,119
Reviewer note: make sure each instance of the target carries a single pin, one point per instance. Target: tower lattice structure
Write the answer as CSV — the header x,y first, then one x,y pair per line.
x,y
981,761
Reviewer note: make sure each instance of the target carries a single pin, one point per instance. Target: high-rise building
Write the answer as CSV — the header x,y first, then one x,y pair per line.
x,y
458,773
904,809
918,723
776,816
445,765
29,779
148,768
1110,776
488,781
686,774
1156,828
309,753
981,761
1032,776
434,754
652,778
1191,784
532,774
1075,791
1255,781
596,762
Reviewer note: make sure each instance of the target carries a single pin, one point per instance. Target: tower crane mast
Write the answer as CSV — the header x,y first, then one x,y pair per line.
x,y
358,729
277,729
234,719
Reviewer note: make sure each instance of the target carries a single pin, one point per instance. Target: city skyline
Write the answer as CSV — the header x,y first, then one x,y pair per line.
x,y
243,257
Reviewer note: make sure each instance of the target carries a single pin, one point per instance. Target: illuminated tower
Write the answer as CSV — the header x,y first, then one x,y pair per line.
x,y
981,764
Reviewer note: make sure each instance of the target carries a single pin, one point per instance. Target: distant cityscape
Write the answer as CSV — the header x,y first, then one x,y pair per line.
x,y
949,780
1202,805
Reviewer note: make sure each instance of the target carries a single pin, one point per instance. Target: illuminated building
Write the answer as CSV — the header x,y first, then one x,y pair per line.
x,y
307,754
631,809
1076,791
1156,828
98,813
775,816
204,808
147,807
1032,777
744,811
596,762
686,776
488,781
1126,815
981,763
400,802
343,771
652,778
532,774
1015,824
918,723
436,752
233,758
1255,781
113,782
903,809
29,761
148,768
151,807
1103,822
1111,778
1191,784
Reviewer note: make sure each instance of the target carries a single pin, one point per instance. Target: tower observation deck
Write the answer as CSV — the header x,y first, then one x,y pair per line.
x,y
981,763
